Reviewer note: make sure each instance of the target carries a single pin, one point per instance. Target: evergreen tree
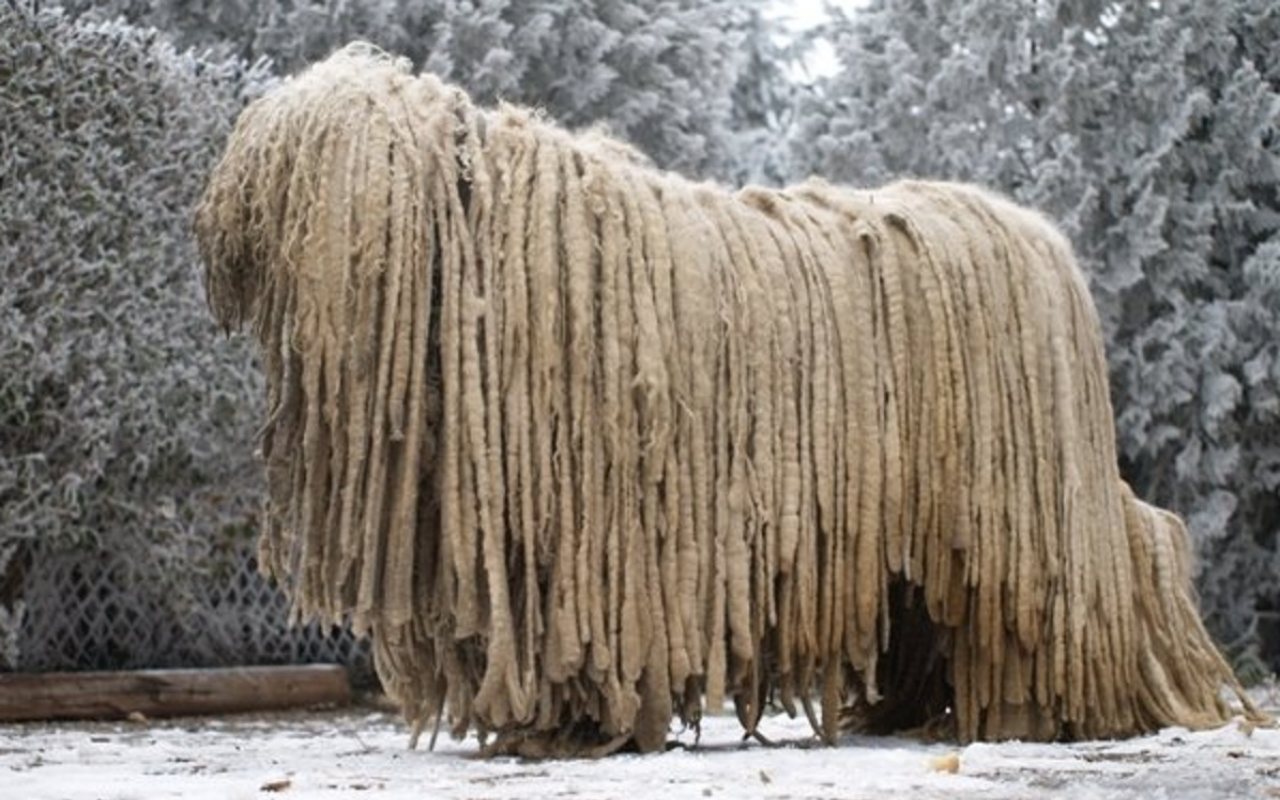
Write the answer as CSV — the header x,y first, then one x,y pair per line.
x,y
663,74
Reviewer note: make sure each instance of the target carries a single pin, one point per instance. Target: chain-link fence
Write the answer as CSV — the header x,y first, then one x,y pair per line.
x,y
94,609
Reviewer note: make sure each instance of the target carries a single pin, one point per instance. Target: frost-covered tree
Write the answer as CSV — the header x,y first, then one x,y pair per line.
x,y
663,74
291,33
763,104
123,426
659,73
1152,132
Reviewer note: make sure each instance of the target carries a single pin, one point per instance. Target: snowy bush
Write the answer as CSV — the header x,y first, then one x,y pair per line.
x,y
125,425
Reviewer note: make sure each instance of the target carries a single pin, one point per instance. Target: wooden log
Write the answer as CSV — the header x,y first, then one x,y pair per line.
x,y
168,692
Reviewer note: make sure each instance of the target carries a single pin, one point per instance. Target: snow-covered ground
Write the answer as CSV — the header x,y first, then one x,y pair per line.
x,y
361,752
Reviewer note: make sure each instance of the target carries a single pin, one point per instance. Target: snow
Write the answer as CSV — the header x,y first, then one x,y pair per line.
x,y
361,752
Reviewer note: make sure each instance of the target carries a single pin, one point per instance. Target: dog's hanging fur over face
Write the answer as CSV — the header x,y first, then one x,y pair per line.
x,y
587,446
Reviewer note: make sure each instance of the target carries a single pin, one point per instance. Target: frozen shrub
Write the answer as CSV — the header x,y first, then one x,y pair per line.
x,y
124,425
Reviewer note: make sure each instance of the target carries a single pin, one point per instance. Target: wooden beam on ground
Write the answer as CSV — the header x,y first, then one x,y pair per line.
x,y
168,692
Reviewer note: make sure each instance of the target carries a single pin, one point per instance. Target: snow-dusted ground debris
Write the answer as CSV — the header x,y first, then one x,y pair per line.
x,y
362,753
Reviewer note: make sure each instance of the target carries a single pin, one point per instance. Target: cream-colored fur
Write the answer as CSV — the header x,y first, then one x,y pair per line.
x,y
587,446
